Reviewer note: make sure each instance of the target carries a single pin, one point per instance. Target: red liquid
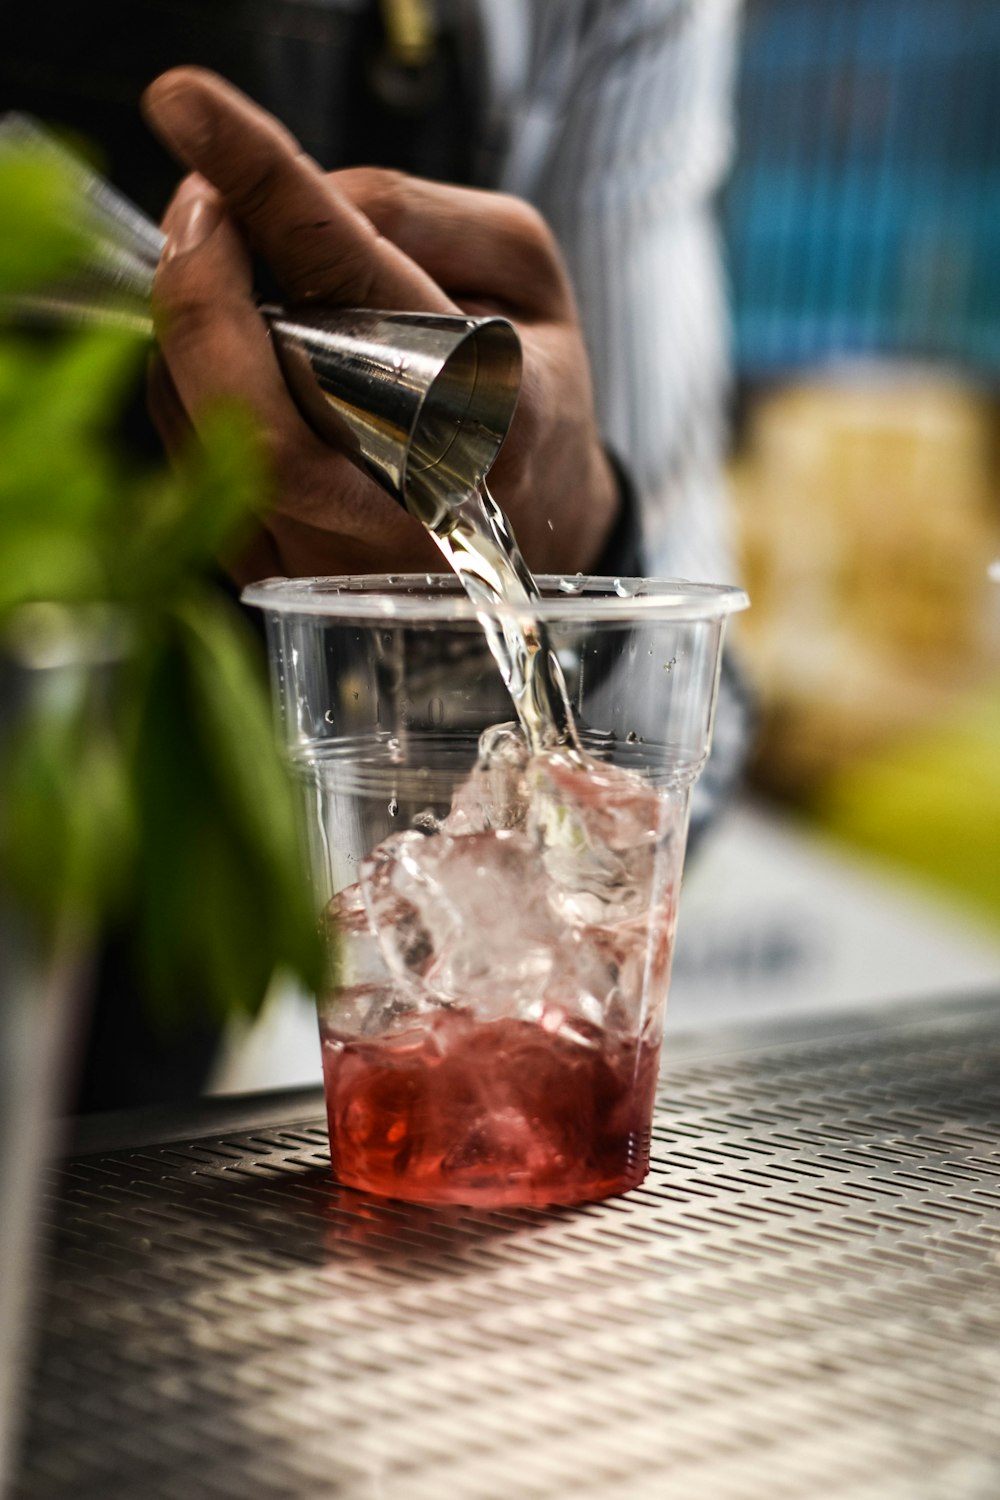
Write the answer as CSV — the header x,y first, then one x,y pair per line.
x,y
451,1110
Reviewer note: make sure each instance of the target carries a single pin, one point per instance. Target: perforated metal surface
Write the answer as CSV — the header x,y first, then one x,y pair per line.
x,y
802,1301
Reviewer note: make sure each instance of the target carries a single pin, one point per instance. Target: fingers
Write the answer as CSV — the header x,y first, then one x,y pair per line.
x,y
211,334
165,407
476,244
317,243
218,348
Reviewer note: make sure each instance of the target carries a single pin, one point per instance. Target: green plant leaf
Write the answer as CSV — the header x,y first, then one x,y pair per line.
x,y
43,235
182,522
223,895
66,820
47,562
146,790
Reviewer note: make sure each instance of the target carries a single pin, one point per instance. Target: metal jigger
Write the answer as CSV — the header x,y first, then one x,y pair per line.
x,y
420,401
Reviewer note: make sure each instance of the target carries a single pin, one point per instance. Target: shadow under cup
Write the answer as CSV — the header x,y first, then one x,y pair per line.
x,y
500,926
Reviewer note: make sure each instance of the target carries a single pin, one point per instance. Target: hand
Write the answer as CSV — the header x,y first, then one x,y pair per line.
x,y
363,237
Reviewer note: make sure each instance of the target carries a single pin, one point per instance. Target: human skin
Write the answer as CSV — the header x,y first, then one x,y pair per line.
x,y
364,237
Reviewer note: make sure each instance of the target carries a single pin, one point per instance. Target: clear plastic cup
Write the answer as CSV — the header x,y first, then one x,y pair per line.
x,y
500,926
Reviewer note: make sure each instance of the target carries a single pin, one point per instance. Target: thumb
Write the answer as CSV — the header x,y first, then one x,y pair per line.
x,y
212,336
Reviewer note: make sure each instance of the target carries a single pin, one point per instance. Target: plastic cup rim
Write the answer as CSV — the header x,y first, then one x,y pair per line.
x,y
438,598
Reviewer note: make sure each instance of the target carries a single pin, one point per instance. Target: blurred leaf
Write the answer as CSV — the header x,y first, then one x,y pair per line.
x,y
147,790
222,880
233,709
84,381
57,405
42,233
183,521
46,562
185,895
66,829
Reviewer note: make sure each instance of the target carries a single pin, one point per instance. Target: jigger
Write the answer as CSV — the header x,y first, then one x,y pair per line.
x,y
420,401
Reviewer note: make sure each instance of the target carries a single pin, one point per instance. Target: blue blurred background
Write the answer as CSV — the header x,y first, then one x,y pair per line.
x,y
861,222
864,212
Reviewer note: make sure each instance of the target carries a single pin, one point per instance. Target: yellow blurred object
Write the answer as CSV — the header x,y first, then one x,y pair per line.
x,y
409,31
868,506
931,804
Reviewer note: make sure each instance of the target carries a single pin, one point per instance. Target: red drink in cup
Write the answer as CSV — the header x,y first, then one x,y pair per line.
x,y
501,919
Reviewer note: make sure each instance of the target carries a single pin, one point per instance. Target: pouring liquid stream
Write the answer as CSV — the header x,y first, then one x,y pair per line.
x,y
478,543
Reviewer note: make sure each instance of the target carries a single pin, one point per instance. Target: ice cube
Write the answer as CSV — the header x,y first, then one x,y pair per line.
x,y
569,909
607,837
360,962
465,918
494,795
355,957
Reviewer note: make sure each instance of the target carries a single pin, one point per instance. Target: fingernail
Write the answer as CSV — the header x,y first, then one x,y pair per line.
x,y
192,219
179,115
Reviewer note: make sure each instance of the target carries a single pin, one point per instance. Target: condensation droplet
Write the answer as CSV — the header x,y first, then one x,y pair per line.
x,y
393,807
329,715
631,737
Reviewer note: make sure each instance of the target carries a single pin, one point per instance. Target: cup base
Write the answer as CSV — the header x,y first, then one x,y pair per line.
x,y
492,1192
490,1113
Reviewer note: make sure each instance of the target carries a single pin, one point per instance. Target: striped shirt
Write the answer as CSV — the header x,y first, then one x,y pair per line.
x,y
613,117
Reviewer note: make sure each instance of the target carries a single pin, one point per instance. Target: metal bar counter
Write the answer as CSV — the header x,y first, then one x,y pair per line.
x,y
803,1299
